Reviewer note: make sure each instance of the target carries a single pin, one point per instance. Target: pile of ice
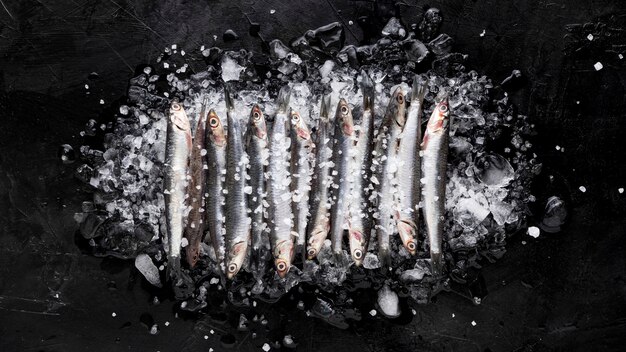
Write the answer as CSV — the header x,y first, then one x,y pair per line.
x,y
491,163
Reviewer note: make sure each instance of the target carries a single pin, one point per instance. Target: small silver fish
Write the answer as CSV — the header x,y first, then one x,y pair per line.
x,y
302,159
434,165
279,187
177,149
256,144
322,181
360,205
409,172
216,160
237,220
195,223
386,150
344,134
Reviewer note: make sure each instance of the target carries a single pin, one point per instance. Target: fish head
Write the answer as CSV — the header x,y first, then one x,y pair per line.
x,y
282,257
439,119
398,99
257,122
179,118
316,240
300,127
193,254
344,118
407,232
236,256
357,246
217,135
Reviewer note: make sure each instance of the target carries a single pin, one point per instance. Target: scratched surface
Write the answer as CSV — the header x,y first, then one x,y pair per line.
x,y
559,292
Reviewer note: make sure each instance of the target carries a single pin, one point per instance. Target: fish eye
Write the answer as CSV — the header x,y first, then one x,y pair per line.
x,y
400,99
281,266
344,109
311,252
176,106
232,267
358,254
295,117
411,246
256,116
443,107
214,122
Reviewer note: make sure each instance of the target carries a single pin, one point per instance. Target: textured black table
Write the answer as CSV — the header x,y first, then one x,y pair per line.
x,y
565,291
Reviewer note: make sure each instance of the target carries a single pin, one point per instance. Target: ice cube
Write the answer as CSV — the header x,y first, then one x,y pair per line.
x,y
533,231
146,267
388,302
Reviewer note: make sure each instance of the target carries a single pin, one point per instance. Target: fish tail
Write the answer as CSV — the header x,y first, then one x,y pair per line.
x,y
367,85
230,105
283,98
436,263
325,108
419,88
174,268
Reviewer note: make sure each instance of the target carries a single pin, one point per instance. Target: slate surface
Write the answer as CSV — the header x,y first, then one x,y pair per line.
x,y
558,292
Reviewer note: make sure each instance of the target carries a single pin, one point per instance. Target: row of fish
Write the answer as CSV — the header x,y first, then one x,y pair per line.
x,y
271,193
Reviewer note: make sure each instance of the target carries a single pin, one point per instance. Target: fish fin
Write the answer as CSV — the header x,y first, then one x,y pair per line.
x,y
325,108
283,98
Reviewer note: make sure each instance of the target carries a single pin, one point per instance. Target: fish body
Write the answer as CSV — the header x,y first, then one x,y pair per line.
x,y
279,190
434,164
344,134
197,164
322,180
409,170
302,158
386,150
360,205
215,200
237,220
177,149
256,144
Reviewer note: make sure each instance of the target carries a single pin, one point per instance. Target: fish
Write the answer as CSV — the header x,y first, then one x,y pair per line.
x,y
360,205
302,158
434,165
177,150
385,153
215,198
256,144
344,133
410,169
279,191
237,220
319,224
197,163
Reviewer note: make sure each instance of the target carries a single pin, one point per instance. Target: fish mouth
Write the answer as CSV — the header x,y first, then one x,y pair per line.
x,y
192,256
315,242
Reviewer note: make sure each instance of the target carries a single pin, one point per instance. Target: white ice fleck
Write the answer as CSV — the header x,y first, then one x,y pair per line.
x,y
86,86
557,147
113,314
482,34
266,346
167,323
620,190
350,22
620,56
101,101
373,312
582,189
590,36
598,66
453,315
473,323
272,11
533,231
166,65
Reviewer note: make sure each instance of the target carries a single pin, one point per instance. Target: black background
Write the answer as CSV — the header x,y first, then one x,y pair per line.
x,y
565,291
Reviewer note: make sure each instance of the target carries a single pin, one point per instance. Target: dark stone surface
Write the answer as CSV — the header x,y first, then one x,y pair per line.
x,y
565,291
